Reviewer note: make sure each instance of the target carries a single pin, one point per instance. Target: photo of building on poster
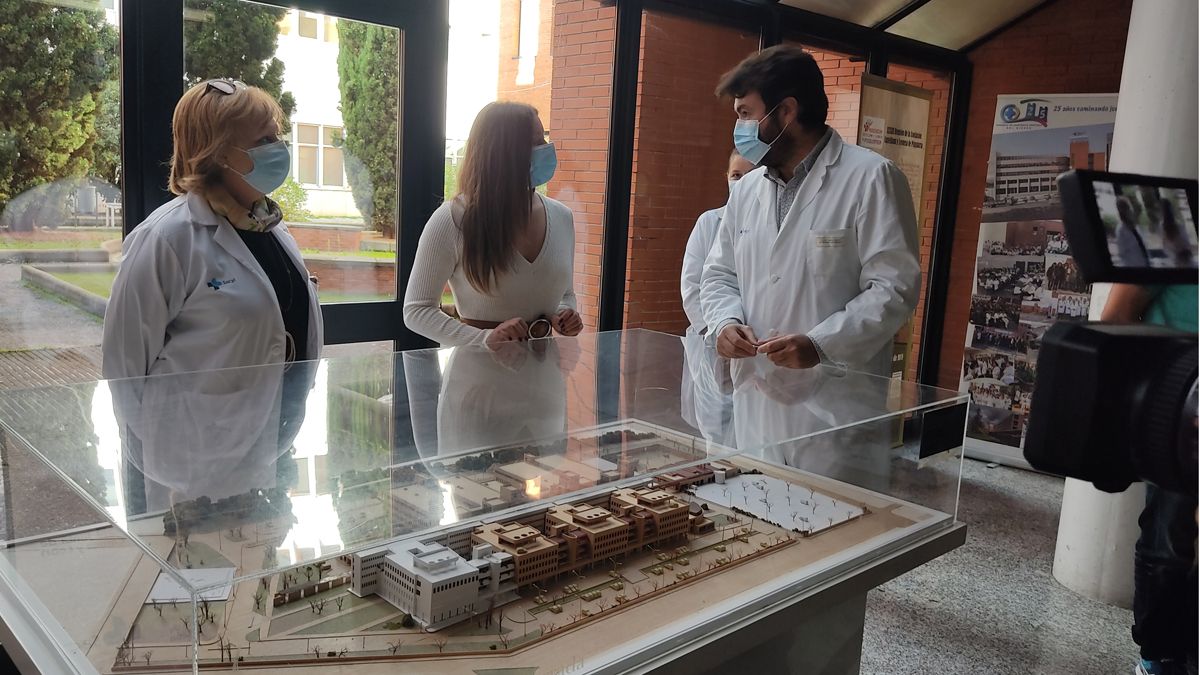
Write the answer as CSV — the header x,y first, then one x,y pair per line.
x,y
1025,278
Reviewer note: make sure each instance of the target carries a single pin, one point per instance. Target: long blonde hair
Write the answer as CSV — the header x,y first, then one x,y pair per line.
x,y
203,125
495,189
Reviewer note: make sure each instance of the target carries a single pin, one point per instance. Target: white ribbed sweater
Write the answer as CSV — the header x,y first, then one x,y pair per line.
x,y
529,290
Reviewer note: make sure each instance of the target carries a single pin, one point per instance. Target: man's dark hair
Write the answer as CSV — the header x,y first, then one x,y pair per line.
x,y
776,73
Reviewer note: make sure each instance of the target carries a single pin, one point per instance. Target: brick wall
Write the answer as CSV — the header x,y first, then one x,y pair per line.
x,y
843,82
682,141
536,93
353,276
581,95
584,35
1070,46
326,238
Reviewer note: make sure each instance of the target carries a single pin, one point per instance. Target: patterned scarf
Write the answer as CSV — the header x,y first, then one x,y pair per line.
x,y
262,217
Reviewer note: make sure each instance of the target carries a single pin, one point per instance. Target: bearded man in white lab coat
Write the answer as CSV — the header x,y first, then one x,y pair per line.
x,y
815,261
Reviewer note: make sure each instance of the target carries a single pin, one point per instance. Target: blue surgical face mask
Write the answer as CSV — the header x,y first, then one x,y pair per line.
x,y
542,164
747,142
272,162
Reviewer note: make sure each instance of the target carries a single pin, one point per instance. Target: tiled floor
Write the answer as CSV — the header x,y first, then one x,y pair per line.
x,y
992,606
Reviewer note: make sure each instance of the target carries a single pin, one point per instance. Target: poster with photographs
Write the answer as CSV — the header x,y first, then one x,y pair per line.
x,y
1025,278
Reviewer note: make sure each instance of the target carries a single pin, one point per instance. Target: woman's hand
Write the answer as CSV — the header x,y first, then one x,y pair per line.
x,y
513,330
567,322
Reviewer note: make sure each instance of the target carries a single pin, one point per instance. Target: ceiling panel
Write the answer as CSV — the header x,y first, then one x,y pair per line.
x,y
954,24
862,12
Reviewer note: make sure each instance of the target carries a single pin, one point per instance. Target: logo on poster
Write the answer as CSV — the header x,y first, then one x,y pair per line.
x,y
1035,111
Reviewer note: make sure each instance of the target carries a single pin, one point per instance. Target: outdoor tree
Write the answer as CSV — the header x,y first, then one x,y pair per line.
x,y
57,61
236,39
106,157
368,80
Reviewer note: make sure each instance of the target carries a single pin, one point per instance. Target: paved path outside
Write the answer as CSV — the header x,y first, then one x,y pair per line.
x,y
43,340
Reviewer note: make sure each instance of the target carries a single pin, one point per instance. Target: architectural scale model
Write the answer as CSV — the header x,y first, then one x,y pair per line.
x,y
516,558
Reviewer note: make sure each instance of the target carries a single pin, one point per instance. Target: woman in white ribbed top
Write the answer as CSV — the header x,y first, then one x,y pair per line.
x,y
506,251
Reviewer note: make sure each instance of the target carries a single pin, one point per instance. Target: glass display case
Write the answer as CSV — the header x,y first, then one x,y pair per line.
x,y
565,505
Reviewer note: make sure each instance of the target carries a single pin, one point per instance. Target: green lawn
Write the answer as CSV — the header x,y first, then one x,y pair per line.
x,y
99,283
40,245
374,255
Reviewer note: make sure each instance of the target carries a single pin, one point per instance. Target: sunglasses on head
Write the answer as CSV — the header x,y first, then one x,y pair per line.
x,y
224,86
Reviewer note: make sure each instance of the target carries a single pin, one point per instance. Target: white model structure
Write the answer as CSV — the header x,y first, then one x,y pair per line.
x,y
779,502
432,583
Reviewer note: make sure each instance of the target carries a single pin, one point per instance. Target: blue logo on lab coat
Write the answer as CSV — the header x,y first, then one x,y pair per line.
x,y
216,283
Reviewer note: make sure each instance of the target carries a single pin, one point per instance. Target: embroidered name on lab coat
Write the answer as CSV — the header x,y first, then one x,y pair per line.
x,y
829,241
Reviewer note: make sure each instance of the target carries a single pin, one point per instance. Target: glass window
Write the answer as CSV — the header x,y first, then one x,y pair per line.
x,y
308,25
338,83
667,199
60,187
332,167
307,133
306,158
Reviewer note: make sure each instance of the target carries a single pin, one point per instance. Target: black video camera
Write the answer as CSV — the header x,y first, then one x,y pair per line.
x,y
1114,404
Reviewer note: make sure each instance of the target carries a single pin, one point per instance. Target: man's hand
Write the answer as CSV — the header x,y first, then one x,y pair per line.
x,y
567,322
513,330
791,351
737,342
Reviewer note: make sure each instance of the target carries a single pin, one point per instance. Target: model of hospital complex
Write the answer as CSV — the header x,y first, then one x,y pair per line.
x,y
451,575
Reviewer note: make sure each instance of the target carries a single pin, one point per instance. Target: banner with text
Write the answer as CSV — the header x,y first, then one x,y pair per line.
x,y
893,120
1025,278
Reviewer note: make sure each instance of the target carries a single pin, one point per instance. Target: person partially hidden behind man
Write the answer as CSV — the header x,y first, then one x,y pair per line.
x,y
816,259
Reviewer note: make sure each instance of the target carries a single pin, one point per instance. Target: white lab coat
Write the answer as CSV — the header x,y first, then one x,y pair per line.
x,y
842,269
699,243
190,296
703,402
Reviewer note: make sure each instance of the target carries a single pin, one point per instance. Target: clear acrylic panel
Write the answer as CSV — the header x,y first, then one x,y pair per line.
x,y
490,505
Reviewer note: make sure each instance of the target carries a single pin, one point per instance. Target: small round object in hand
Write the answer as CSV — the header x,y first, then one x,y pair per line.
x,y
539,328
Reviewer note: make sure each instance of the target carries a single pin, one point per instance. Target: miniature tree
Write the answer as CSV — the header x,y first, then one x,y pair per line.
x,y
308,572
316,650
321,606
146,656
158,608
258,599
339,600
343,651
394,647
503,639
440,642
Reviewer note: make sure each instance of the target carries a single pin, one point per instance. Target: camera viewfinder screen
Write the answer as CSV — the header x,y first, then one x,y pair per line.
x,y
1147,226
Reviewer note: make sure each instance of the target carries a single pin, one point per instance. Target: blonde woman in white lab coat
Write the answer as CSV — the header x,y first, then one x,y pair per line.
x,y
212,279
703,402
